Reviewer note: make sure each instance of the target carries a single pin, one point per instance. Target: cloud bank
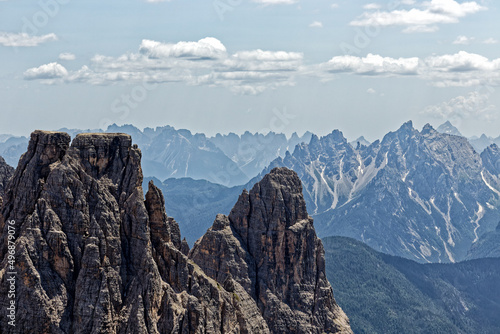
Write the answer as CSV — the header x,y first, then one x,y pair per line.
x,y
207,62
24,40
424,17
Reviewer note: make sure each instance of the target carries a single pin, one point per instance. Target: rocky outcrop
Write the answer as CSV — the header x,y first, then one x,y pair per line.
x,y
268,245
6,173
92,256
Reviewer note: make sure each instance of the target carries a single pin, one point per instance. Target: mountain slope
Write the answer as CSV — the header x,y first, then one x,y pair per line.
x,y
387,294
12,148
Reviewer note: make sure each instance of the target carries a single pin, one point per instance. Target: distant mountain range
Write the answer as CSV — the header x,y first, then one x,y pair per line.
x,y
169,153
432,192
250,152
384,294
429,190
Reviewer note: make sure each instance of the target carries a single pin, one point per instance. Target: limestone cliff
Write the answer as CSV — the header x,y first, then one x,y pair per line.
x,y
268,245
92,256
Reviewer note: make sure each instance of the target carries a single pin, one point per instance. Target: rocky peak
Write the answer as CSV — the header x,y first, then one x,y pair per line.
x,y
449,129
45,150
277,200
6,173
491,159
275,255
428,129
163,228
408,126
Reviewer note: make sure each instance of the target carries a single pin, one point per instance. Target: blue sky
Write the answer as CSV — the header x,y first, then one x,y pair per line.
x,y
232,65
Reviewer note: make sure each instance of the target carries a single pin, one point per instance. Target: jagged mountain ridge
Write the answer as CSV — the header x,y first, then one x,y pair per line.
x,y
269,246
482,142
430,191
250,153
171,153
254,152
92,255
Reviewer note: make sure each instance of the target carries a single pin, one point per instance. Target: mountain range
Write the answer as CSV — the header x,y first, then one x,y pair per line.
x,y
98,253
429,190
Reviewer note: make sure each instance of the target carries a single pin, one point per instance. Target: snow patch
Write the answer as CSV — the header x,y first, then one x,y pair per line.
x,y
479,215
414,196
488,185
449,226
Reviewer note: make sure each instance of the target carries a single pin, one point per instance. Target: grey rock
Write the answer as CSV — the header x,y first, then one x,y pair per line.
x,y
268,245
6,173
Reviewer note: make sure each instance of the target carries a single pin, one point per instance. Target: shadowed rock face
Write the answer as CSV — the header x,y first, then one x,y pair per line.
x,y
92,256
268,246
6,173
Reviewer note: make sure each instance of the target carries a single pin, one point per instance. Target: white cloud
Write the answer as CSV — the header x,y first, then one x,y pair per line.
x,y
269,55
429,13
24,40
490,40
462,62
205,62
67,56
371,91
463,40
209,48
372,6
372,65
334,5
472,105
46,72
316,24
276,2
461,69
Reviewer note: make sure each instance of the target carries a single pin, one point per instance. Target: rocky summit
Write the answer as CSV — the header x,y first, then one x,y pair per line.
x,y
268,245
93,256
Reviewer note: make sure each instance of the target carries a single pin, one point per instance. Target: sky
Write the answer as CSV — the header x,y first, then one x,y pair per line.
x,y
220,66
